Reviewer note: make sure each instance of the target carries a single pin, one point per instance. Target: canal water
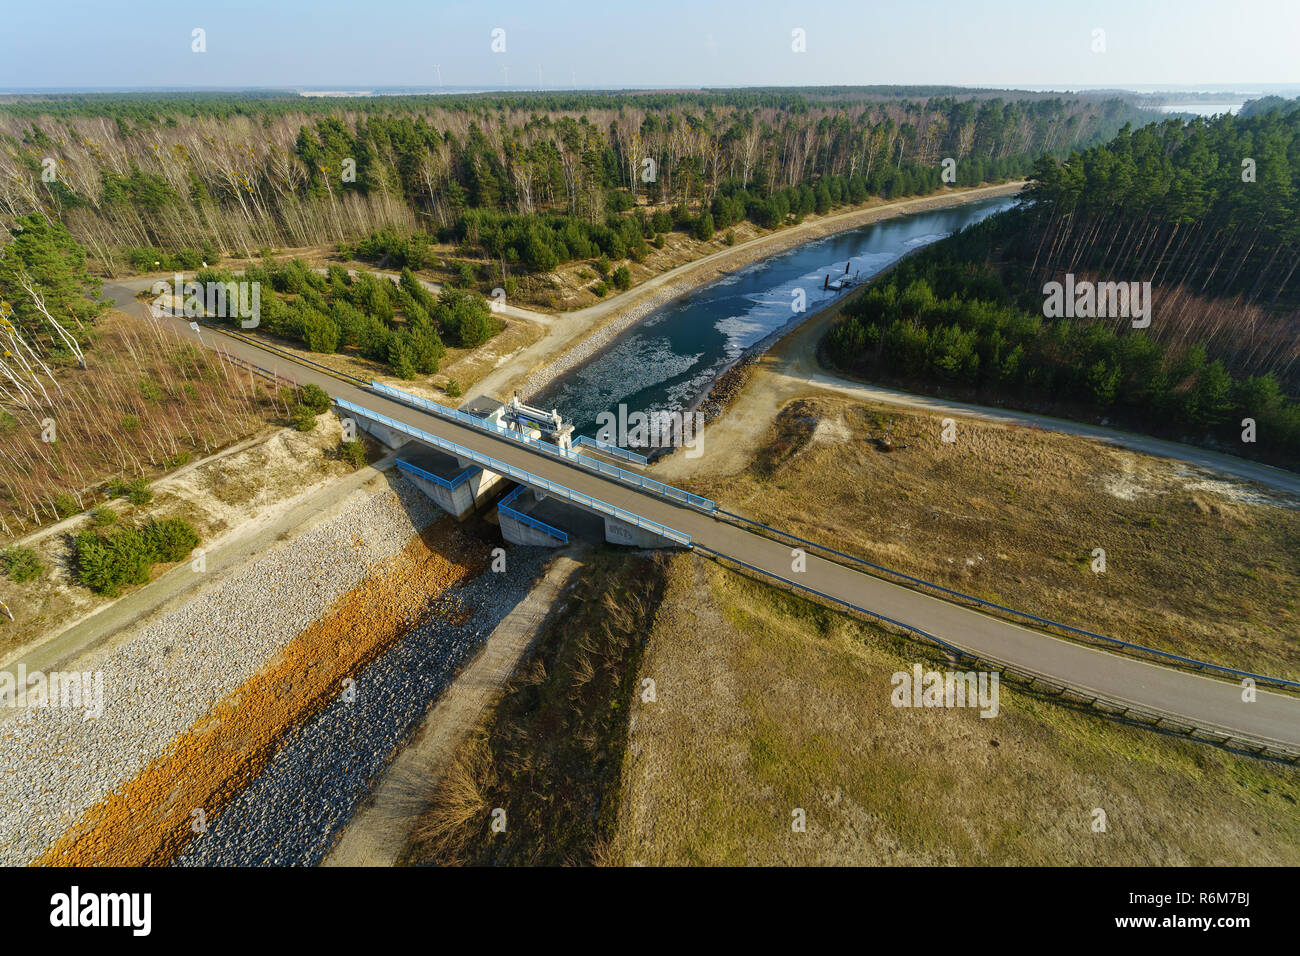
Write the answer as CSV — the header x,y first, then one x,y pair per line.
x,y
669,360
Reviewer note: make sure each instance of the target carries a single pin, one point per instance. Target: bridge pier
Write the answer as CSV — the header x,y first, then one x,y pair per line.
x,y
455,486
390,438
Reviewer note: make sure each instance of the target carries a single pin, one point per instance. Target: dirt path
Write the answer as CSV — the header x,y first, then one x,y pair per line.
x,y
379,832
597,324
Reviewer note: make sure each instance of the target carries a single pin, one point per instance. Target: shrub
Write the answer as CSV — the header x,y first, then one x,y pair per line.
x,y
138,491
320,332
108,563
453,388
658,241
20,563
730,237
303,418
170,540
65,504
353,452
623,277
315,398
103,515
704,227
600,289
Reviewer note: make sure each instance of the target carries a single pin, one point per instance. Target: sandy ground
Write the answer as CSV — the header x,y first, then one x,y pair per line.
x,y
232,498
545,359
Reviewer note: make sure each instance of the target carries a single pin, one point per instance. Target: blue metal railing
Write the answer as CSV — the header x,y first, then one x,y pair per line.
x,y
504,505
449,483
546,448
608,449
518,474
1110,641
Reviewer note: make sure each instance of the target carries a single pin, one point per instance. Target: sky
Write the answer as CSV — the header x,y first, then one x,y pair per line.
x,y
333,44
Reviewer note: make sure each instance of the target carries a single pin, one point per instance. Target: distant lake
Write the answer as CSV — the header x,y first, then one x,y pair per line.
x,y
1202,109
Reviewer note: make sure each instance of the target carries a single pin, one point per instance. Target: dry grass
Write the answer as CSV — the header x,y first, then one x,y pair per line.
x,y
767,703
1198,566
551,752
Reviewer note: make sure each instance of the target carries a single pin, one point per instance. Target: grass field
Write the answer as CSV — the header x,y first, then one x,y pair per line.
x,y
1195,565
769,703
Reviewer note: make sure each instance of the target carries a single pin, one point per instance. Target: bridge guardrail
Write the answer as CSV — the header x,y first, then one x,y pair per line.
x,y
518,474
546,448
606,448
504,505
450,484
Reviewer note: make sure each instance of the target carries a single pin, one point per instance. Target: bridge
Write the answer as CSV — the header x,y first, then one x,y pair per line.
x,y
1207,703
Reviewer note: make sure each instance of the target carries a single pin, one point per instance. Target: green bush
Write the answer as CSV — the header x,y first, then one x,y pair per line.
x,y
453,388
103,515
108,563
304,419
623,278
600,289
20,563
315,398
171,539
138,491
353,452
65,504
703,228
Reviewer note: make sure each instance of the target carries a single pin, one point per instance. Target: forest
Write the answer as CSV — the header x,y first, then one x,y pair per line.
x,y
1168,204
206,176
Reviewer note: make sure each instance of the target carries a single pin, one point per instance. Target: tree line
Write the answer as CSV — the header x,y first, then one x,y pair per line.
x,y
169,175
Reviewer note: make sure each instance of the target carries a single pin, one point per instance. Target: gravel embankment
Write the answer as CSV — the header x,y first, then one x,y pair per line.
x,y
167,674
293,812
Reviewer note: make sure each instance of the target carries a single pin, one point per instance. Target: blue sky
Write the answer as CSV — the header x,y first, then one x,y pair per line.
x,y
336,44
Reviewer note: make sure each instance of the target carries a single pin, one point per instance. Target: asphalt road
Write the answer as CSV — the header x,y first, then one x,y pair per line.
x,y
1207,703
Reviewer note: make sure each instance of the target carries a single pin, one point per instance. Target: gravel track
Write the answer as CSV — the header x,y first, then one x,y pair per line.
x,y
296,808
168,673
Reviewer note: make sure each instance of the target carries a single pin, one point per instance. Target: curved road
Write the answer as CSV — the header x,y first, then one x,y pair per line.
x,y
1210,704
